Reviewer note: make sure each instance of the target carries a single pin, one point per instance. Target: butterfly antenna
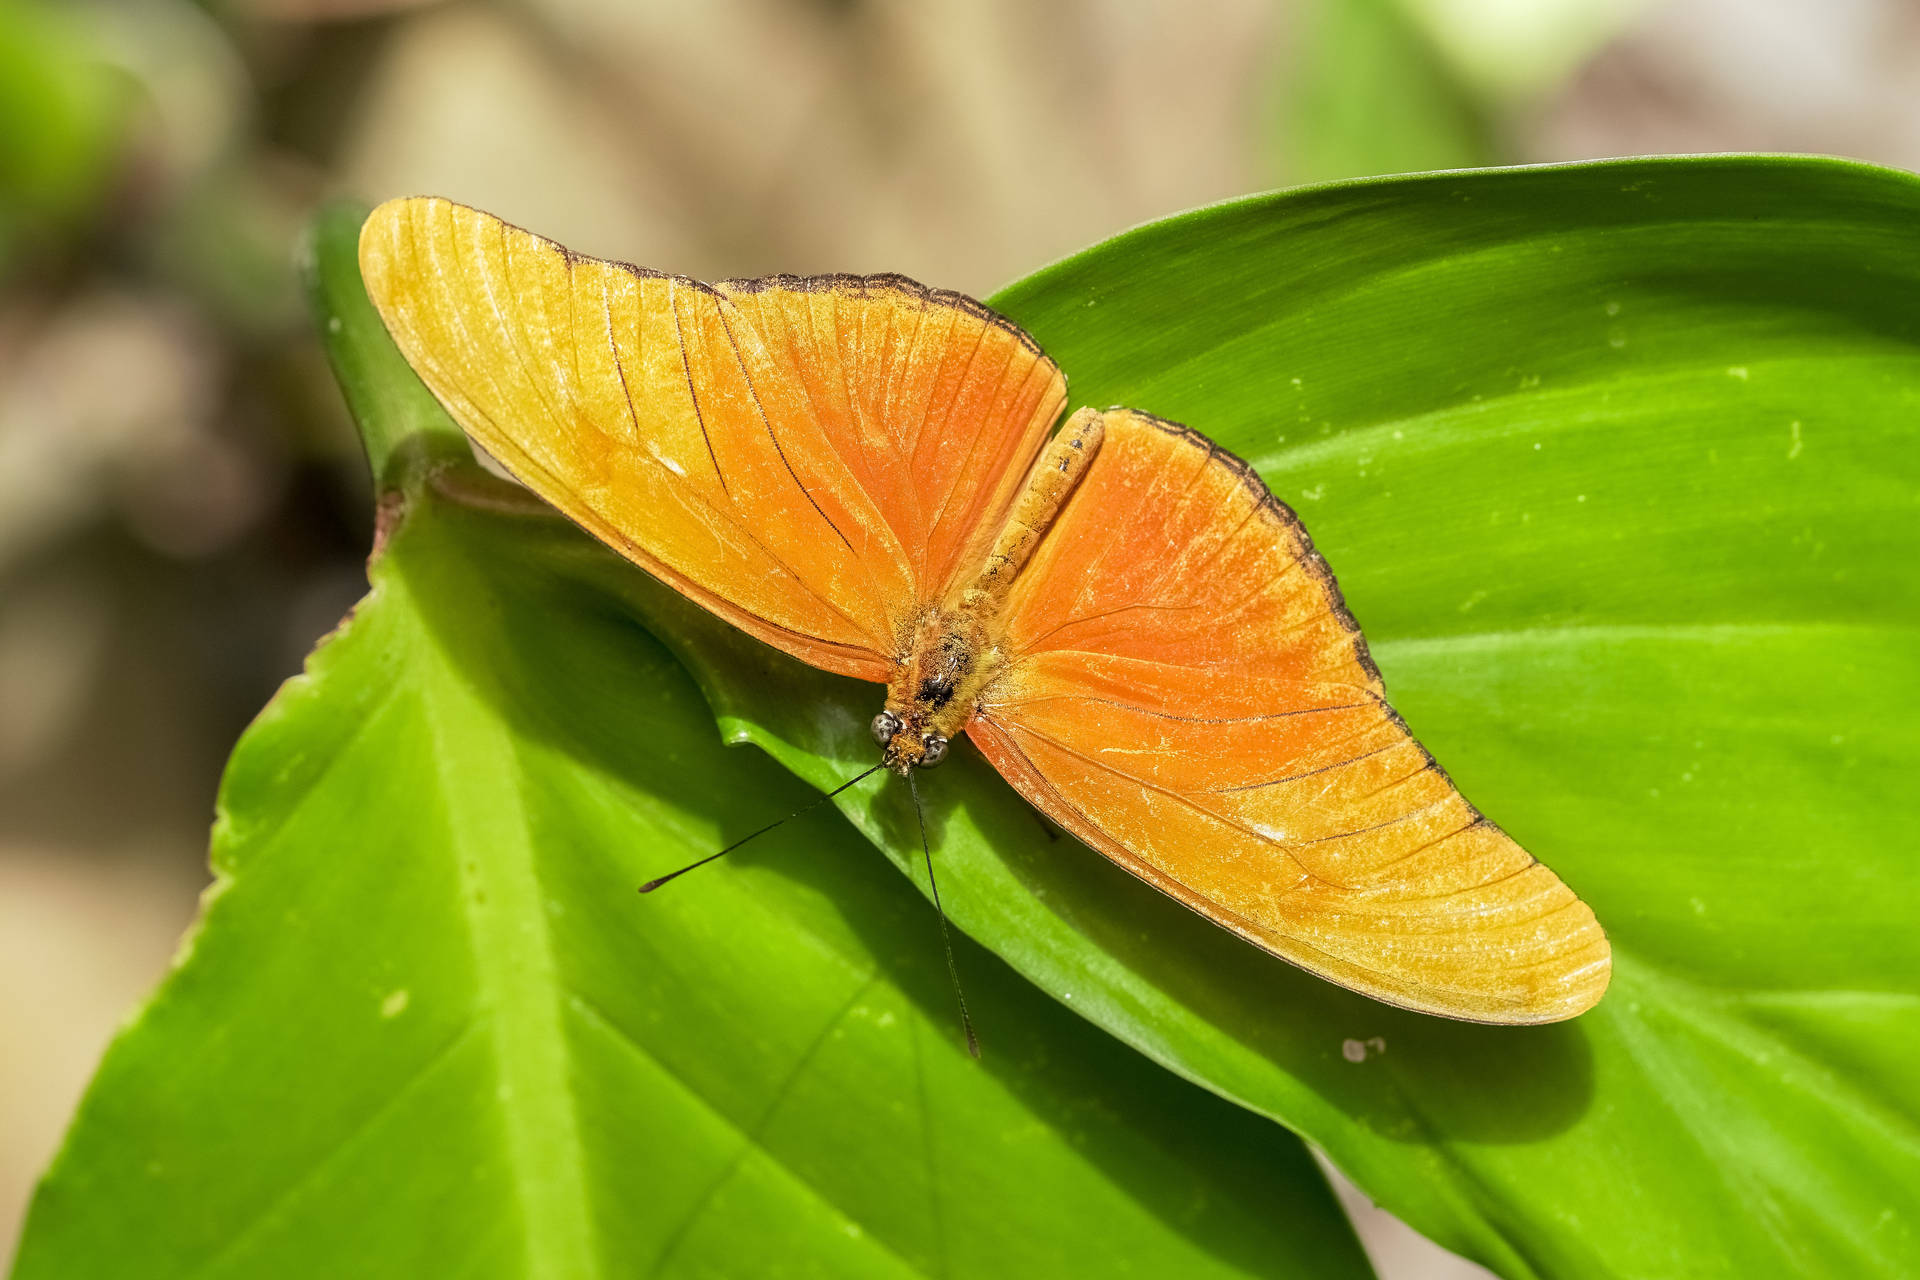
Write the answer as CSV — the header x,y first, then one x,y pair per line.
x,y
817,801
946,939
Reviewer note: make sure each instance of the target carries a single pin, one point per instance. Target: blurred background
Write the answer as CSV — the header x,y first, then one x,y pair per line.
x,y
182,505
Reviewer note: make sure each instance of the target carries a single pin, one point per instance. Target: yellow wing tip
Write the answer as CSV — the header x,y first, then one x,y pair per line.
x,y
392,213
1588,985
1573,985
380,236
1552,976
1570,994
391,228
390,216
1578,991
1582,984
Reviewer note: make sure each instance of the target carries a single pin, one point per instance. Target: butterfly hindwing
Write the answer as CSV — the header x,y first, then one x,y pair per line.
x,y
1188,694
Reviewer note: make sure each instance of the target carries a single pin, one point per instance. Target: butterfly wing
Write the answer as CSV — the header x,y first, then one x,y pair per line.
x,y
1189,695
809,458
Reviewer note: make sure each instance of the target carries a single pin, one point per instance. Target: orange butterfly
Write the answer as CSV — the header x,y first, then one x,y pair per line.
x,y
1130,627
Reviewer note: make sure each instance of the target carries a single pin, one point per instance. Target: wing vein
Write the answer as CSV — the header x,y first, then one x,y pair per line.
x,y
1182,798
693,396
1408,816
1170,715
946,424
1296,777
773,438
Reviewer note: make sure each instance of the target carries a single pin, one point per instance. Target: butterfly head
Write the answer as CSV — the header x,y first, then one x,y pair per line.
x,y
908,745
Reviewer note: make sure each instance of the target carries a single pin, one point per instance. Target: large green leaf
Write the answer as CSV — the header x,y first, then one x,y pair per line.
x,y
426,1027
1619,466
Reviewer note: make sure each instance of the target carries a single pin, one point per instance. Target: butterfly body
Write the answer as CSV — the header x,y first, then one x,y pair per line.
x,y
956,654
1140,638
936,688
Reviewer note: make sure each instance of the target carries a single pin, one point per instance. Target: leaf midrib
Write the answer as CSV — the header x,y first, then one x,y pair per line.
x,y
516,974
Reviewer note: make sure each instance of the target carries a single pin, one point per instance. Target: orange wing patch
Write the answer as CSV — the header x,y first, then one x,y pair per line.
x,y
807,458
1188,694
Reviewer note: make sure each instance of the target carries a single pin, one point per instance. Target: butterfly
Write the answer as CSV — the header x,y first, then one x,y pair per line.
x,y
864,473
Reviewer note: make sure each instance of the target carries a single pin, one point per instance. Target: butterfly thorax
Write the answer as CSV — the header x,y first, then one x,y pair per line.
x,y
948,664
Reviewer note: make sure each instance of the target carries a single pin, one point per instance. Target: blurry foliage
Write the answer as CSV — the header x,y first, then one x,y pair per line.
x,y
1370,94
1401,86
1513,51
60,126
178,500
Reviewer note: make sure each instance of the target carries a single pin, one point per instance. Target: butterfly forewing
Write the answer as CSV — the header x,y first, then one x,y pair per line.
x,y
1188,694
805,457
934,405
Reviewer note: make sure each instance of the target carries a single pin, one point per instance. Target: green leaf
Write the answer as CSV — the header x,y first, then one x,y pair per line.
x,y
1619,466
426,1027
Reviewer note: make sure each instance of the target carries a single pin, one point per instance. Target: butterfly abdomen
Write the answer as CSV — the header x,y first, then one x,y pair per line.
x,y
1060,466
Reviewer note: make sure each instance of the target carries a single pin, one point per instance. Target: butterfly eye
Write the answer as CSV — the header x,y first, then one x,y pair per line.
x,y
885,725
935,747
